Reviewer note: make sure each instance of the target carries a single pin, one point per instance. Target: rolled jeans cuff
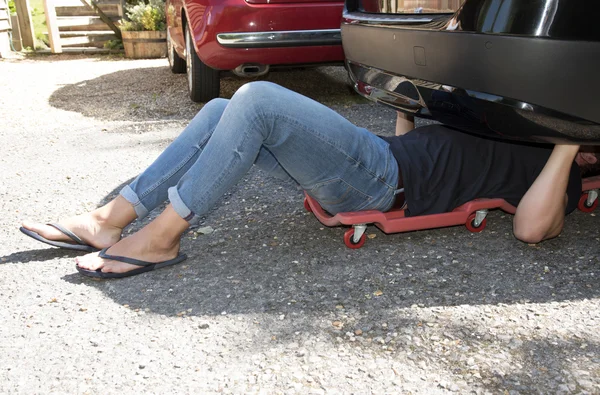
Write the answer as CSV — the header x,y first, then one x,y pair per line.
x,y
181,208
133,198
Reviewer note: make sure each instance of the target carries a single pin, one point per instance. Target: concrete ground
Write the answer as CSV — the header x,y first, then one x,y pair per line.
x,y
269,301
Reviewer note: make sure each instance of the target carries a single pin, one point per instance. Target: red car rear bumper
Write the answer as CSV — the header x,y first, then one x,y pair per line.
x,y
311,32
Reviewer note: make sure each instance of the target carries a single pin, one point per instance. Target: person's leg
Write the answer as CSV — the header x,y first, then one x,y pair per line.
x,y
149,189
344,167
102,227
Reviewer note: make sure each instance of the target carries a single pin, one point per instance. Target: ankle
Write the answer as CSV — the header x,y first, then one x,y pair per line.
x,y
118,213
167,228
165,241
103,220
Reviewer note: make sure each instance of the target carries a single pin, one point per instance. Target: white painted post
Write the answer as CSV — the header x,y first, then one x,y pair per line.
x,y
52,24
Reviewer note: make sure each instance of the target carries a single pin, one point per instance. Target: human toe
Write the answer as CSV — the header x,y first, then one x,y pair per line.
x,y
44,230
33,226
90,261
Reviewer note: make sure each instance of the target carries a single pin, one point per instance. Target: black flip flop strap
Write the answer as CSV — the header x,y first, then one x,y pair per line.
x,y
68,233
102,254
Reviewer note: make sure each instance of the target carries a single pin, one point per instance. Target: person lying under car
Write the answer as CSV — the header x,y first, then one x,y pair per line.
x,y
342,166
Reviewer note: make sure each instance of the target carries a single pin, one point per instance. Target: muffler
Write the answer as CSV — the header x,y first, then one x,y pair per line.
x,y
249,70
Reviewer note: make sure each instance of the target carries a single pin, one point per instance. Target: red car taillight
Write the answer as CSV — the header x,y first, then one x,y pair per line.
x,y
288,1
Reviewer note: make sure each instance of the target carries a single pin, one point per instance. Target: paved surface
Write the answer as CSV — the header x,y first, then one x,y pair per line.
x,y
270,301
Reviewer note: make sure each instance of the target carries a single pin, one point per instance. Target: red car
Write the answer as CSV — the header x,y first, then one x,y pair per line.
x,y
247,37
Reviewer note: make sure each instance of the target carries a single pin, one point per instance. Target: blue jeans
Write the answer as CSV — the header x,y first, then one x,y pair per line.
x,y
342,166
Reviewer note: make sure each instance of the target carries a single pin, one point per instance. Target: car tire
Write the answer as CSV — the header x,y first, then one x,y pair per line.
x,y
176,63
203,82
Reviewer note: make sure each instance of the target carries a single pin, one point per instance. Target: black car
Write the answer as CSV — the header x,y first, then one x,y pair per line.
x,y
516,69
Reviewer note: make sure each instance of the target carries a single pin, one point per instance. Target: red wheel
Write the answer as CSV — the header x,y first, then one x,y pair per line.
x,y
351,244
307,206
471,224
583,206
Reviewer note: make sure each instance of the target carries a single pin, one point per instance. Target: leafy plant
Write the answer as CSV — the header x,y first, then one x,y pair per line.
x,y
113,44
145,16
38,19
11,6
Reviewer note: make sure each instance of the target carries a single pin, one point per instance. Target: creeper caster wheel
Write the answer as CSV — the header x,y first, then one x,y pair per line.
x,y
349,239
307,206
585,205
472,223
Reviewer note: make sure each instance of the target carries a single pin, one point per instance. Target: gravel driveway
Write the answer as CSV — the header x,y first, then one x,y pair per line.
x,y
270,301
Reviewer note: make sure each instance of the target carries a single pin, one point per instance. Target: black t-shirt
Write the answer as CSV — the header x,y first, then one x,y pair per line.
x,y
443,168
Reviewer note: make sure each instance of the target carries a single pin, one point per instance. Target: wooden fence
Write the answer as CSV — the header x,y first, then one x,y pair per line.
x,y
82,24
5,28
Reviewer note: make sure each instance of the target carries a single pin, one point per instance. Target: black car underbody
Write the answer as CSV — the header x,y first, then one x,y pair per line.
x,y
519,70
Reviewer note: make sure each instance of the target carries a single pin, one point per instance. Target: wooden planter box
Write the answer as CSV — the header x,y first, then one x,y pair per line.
x,y
144,45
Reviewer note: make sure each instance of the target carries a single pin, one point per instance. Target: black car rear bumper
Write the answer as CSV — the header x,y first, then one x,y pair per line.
x,y
526,88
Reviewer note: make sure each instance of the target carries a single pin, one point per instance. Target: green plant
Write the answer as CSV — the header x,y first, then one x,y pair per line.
x,y
11,6
145,16
38,18
113,44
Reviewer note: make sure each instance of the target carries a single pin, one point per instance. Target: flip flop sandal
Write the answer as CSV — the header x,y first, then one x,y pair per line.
x,y
78,245
144,266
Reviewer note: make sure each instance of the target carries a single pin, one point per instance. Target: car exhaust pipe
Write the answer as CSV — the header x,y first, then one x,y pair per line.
x,y
251,70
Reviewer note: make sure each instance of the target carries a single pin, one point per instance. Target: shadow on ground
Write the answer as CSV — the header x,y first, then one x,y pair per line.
x,y
40,255
267,254
268,258
154,93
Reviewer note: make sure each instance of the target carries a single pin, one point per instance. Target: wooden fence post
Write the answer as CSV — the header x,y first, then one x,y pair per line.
x,y
16,34
52,24
25,23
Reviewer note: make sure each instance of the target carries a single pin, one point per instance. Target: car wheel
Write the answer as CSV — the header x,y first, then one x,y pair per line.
x,y
176,64
203,81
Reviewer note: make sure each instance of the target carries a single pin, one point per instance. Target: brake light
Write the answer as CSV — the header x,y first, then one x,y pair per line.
x,y
363,88
289,1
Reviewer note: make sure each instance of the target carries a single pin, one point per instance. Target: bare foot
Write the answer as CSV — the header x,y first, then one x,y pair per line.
x,y
144,245
88,227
